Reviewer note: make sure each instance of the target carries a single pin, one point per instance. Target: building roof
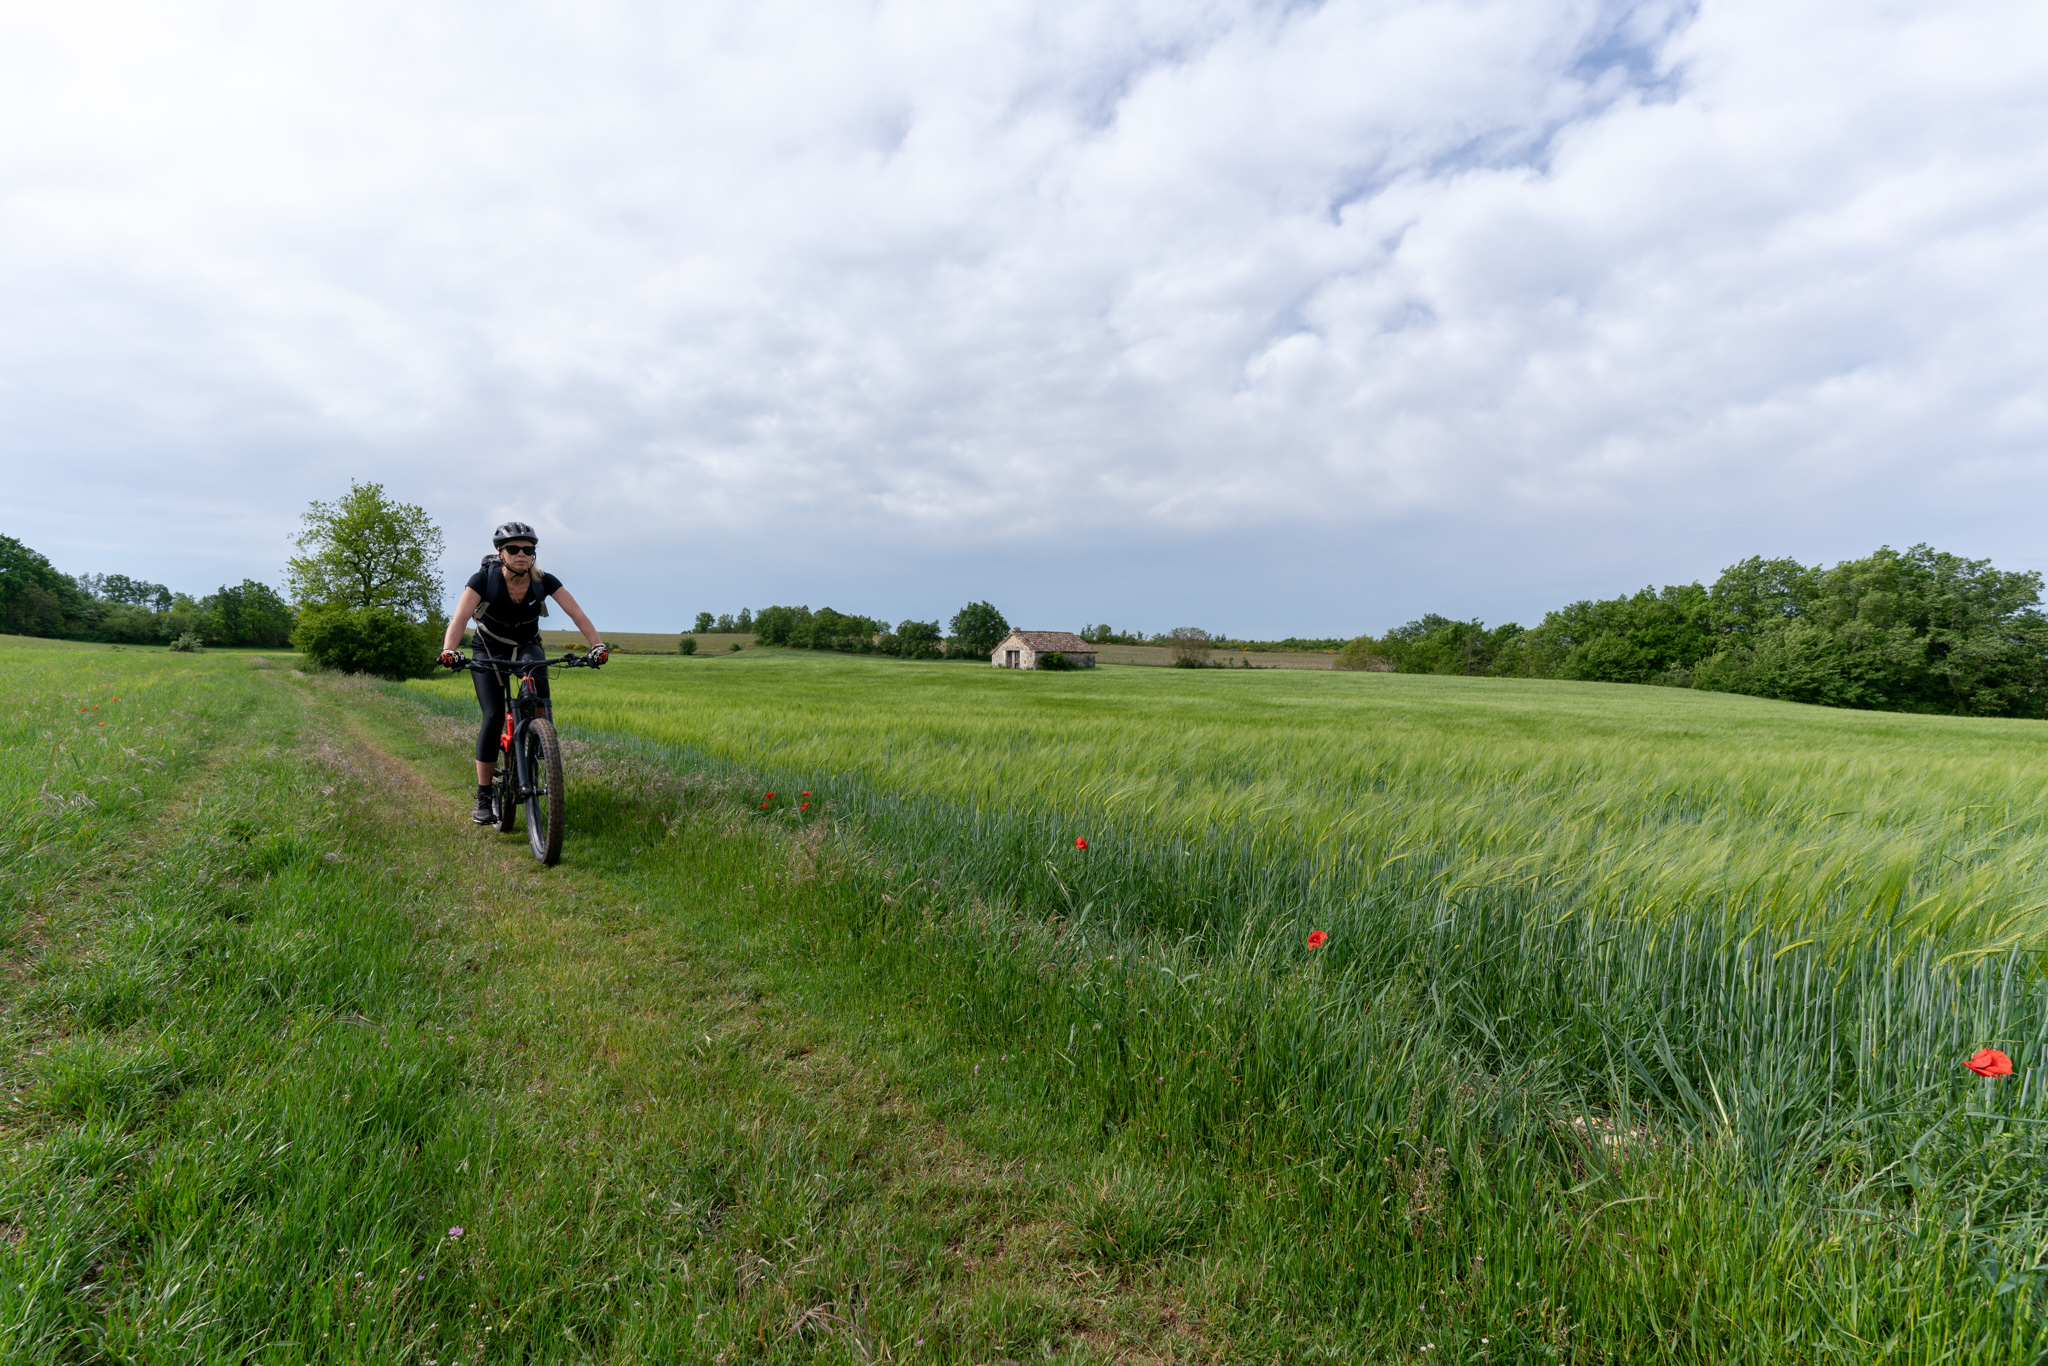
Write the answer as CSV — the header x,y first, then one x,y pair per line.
x,y
1066,642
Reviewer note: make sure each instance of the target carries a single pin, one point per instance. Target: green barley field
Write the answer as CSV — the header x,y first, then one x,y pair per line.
x,y
1637,1035
1634,803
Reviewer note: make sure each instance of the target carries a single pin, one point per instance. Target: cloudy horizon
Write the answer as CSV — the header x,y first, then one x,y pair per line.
x,y
1275,319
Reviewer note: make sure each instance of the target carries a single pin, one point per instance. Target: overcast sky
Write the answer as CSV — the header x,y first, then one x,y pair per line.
x,y
1267,318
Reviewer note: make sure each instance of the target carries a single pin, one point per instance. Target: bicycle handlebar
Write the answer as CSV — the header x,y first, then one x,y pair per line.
x,y
499,664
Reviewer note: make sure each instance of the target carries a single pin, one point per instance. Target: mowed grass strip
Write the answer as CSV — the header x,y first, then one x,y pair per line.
x,y
309,1024
680,945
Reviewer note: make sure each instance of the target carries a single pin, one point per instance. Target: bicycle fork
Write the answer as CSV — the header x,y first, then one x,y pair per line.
x,y
524,785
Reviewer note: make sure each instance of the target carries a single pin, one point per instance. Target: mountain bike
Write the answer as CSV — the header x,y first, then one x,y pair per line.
x,y
529,769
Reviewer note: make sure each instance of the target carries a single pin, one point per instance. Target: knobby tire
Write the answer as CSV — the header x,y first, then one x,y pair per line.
x,y
547,808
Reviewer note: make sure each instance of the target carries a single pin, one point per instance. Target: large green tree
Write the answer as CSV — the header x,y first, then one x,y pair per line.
x,y
1902,630
363,550
978,628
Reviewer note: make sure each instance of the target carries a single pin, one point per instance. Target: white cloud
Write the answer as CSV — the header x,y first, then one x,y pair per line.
x,y
1540,298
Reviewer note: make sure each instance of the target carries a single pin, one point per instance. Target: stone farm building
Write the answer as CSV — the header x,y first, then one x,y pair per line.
x,y
1021,649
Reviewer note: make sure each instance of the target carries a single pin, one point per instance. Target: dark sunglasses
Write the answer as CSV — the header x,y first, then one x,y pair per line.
x,y
517,549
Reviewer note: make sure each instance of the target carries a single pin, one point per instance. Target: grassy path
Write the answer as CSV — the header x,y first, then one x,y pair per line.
x,y
304,1023
838,1207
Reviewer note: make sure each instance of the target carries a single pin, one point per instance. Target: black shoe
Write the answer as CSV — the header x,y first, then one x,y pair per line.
x,y
486,812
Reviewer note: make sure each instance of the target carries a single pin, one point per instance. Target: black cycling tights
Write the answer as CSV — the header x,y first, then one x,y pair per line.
x,y
490,692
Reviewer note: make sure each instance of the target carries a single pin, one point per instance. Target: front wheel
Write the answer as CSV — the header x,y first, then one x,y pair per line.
x,y
505,801
546,809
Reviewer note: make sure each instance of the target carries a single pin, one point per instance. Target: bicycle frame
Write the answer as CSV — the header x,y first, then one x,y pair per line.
x,y
516,782
522,704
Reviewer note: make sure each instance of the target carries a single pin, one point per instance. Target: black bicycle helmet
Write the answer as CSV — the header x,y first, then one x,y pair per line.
x,y
514,531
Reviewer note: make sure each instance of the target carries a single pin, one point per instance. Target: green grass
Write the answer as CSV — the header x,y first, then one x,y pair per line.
x,y
267,1038
907,1076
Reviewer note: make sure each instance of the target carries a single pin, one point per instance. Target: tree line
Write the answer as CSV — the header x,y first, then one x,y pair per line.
x,y
973,631
364,595
1918,630
38,599
1105,634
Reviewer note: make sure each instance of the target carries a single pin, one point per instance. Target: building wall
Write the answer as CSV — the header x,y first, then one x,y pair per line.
x,y
1027,658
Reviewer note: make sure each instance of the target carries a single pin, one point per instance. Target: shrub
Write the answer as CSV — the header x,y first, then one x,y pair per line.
x,y
783,626
1363,653
846,632
687,645
1053,659
802,629
1435,644
251,614
1190,647
366,640
919,640
188,643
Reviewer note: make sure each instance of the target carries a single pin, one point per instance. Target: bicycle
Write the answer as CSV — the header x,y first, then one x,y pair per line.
x,y
530,756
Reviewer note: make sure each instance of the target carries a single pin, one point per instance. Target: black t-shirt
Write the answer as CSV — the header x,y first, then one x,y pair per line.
x,y
502,619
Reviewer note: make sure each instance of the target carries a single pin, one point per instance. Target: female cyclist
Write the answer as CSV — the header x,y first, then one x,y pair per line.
x,y
507,602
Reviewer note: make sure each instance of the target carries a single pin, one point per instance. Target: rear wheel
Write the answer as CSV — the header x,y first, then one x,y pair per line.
x,y
546,809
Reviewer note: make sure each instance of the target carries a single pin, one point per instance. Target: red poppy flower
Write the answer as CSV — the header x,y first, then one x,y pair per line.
x,y
1989,1062
764,806
771,796
1080,843
1317,939
805,807
807,794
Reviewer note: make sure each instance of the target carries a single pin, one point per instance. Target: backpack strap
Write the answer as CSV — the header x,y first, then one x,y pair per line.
x,y
494,583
